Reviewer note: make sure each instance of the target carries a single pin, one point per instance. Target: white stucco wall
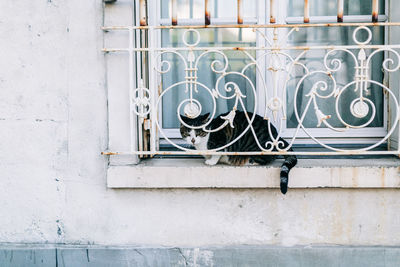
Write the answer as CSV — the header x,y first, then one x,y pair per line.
x,y
53,186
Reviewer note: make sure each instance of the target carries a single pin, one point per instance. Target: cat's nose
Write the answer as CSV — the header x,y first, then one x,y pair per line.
x,y
193,140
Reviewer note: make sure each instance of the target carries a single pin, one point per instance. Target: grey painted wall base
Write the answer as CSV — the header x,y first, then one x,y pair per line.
x,y
60,256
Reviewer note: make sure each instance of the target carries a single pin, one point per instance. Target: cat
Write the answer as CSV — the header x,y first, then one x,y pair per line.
x,y
203,140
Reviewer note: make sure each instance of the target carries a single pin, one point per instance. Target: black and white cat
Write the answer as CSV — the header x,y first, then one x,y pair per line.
x,y
202,140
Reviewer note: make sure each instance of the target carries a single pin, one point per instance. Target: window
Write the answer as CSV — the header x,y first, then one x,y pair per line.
x,y
317,84
354,11
191,12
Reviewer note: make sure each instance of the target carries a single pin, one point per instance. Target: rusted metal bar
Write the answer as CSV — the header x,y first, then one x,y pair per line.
x,y
207,14
239,11
311,25
340,5
306,12
272,18
252,48
174,12
142,12
332,19
375,10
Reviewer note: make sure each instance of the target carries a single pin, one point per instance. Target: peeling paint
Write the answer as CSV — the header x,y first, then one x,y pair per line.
x,y
60,230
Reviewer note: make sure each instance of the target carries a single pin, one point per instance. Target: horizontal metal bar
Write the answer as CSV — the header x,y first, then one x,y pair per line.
x,y
329,47
308,25
333,19
200,22
316,153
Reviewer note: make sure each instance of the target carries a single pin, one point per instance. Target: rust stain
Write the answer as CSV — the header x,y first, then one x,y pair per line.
x,y
207,14
382,177
306,12
374,17
354,177
340,11
109,153
375,11
207,18
239,12
174,7
143,22
142,10
271,12
340,17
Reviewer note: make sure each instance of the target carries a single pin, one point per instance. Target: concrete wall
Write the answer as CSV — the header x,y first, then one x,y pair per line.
x,y
53,127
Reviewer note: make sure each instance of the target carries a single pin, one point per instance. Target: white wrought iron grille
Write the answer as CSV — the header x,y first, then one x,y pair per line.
x,y
280,82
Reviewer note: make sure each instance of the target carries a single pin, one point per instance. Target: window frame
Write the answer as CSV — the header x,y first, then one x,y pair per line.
x,y
364,136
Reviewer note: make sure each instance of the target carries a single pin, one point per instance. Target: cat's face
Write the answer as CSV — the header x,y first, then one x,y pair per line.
x,y
194,137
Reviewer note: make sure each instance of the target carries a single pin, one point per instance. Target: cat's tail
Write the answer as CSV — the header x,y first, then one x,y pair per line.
x,y
288,164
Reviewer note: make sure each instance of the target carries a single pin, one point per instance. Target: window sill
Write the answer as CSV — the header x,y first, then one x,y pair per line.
x,y
309,173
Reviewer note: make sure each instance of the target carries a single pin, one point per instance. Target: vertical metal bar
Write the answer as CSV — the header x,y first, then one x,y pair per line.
x,y
272,18
340,5
174,12
306,11
138,59
239,11
398,136
207,14
142,13
375,10
132,124
153,91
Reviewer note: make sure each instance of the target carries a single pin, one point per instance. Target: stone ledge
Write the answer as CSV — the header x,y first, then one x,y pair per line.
x,y
315,173
257,256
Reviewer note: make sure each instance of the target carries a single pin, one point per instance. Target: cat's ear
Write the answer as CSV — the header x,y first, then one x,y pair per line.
x,y
205,117
184,118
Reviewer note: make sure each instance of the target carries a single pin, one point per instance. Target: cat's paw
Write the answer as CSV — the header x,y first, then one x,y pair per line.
x,y
210,162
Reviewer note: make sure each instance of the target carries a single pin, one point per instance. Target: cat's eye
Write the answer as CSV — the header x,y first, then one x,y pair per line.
x,y
201,133
184,132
